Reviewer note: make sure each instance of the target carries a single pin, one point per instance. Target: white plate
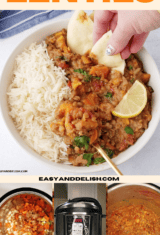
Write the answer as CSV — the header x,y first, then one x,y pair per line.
x,y
39,35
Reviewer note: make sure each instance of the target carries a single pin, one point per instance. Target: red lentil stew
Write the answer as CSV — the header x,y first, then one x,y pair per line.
x,y
86,118
133,220
28,214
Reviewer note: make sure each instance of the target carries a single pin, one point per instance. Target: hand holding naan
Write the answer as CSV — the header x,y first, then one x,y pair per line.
x,y
80,41
130,29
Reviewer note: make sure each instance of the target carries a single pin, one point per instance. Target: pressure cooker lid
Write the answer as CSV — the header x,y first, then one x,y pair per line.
x,y
82,202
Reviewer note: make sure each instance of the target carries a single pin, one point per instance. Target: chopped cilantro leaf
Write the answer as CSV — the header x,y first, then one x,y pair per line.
x,y
99,160
82,141
130,67
132,80
66,59
109,152
109,95
129,130
151,89
78,70
98,78
62,58
130,57
87,77
88,157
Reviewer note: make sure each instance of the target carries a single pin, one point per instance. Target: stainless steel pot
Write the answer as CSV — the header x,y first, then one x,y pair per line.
x,y
6,202
79,216
144,194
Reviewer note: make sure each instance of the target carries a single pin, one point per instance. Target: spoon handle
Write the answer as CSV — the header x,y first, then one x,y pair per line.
x,y
105,156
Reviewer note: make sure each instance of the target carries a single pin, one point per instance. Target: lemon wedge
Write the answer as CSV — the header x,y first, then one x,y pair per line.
x,y
133,102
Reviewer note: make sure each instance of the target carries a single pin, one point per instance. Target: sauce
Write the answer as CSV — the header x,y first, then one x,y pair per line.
x,y
133,220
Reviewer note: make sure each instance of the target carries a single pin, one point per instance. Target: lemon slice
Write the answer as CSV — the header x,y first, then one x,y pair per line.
x,y
133,102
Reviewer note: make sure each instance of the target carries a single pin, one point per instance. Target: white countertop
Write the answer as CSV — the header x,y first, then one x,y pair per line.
x,y
146,162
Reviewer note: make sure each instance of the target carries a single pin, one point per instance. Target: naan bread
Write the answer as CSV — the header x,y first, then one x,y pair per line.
x,y
99,49
92,16
80,33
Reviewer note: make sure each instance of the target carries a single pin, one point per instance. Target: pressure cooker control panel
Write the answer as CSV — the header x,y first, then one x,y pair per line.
x,y
78,225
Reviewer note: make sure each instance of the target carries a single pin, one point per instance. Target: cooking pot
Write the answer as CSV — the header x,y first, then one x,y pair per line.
x,y
144,194
7,202
79,216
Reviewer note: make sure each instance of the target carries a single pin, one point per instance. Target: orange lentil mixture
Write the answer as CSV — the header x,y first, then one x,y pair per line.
x,y
133,220
29,215
86,118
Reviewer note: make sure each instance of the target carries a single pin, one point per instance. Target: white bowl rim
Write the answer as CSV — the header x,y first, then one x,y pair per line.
x,y
70,168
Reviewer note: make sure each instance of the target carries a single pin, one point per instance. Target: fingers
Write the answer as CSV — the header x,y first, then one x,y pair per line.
x,y
126,52
118,41
124,40
134,45
101,24
138,41
113,22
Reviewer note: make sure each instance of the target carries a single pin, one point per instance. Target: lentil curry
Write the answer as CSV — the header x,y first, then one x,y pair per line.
x,y
86,118
133,220
27,214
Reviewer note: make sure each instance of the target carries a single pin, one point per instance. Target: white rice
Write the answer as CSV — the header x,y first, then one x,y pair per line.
x,y
36,90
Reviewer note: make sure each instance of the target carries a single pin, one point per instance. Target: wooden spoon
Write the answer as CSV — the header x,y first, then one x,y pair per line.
x,y
105,156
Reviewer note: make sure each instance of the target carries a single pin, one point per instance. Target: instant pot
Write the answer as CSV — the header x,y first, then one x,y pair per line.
x,y
79,216
124,194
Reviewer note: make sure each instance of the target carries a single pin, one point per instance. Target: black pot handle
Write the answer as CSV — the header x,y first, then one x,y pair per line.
x,y
85,199
103,216
32,190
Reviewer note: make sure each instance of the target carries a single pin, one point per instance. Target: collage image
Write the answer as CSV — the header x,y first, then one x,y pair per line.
x,y
80,209
79,121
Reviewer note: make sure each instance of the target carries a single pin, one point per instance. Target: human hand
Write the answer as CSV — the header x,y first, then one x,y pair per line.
x,y
130,29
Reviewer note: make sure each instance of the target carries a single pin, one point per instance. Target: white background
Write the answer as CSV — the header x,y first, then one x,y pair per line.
x,y
12,157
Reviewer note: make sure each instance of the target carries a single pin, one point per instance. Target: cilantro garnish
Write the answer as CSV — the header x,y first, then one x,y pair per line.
x,y
109,152
81,141
132,80
87,77
79,71
99,160
130,67
98,78
62,58
130,57
151,89
129,130
109,95
88,157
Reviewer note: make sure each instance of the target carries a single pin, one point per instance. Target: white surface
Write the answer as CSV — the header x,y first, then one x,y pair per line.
x,y
146,162
5,188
